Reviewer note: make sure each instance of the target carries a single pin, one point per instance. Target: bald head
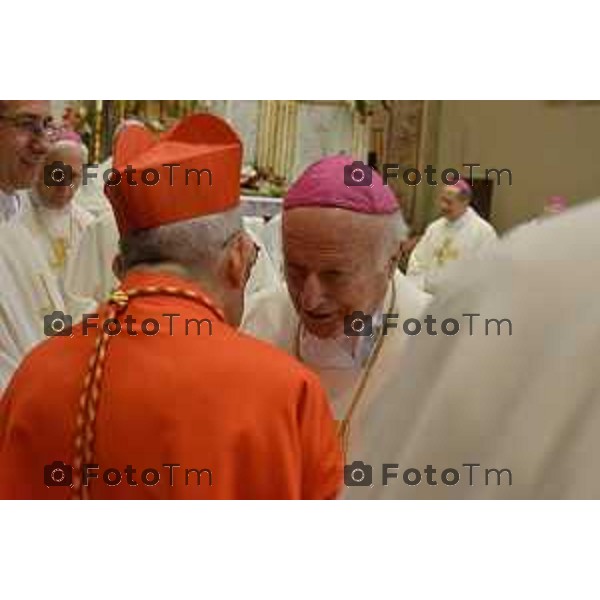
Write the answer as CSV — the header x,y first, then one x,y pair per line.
x,y
23,141
338,261
72,155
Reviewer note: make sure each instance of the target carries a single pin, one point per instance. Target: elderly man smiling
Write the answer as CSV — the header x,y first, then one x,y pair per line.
x,y
54,220
341,246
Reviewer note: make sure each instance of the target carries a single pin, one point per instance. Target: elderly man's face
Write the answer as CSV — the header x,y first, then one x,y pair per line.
x,y
452,204
60,196
23,141
335,264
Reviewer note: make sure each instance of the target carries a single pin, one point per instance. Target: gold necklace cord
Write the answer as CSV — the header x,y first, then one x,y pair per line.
x,y
344,428
344,425
43,229
357,396
88,401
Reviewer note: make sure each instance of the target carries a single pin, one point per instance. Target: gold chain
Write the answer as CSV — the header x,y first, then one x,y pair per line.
x,y
59,245
344,424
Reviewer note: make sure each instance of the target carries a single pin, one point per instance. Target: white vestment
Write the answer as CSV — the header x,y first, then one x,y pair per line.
x,y
90,270
10,206
57,231
528,402
272,240
29,291
263,276
91,193
444,242
273,318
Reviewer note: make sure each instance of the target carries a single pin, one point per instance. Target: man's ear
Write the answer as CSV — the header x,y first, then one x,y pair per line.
x,y
234,265
118,267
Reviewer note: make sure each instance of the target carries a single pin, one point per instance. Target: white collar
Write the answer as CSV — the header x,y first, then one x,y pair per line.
x,y
460,222
39,204
10,206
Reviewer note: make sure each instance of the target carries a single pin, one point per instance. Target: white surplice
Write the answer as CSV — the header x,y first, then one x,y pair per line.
x,y
90,272
444,242
527,402
91,193
263,276
57,231
10,206
28,292
272,239
90,269
272,317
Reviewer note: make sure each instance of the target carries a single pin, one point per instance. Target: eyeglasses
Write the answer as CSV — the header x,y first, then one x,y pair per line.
x,y
256,253
31,125
255,247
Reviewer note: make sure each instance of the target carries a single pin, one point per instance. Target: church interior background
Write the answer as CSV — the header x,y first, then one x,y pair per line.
x,y
550,147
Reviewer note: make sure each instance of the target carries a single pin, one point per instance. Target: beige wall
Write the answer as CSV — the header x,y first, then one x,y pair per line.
x,y
551,148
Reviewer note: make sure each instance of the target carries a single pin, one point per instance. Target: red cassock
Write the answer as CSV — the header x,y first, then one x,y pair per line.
x,y
213,416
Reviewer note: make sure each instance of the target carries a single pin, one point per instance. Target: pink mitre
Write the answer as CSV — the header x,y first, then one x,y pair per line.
x,y
324,184
461,187
68,135
556,204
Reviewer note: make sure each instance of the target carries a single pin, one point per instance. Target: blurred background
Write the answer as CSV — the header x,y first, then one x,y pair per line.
x,y
550,147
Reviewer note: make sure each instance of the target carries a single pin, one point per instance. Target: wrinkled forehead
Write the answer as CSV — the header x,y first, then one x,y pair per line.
x,y
452,193
70,154
329,237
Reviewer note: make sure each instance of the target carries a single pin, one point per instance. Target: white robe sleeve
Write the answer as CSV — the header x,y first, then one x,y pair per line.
x,y
29,293
10,353
527,402
420,263
263,275
89,272
272,239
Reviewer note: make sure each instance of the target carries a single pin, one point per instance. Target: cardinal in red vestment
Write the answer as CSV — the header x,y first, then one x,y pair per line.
x,y
158,395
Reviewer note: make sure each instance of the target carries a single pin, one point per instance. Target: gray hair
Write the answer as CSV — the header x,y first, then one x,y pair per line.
x,y
196,244
68,144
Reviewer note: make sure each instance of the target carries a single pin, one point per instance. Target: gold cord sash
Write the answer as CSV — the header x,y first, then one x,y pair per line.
x,y
343,426
85,435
